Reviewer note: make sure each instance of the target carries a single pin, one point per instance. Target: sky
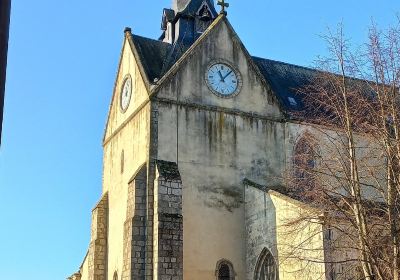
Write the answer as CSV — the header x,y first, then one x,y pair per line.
x,y
63,58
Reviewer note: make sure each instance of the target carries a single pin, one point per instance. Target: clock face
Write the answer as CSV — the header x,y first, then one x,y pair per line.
x,y
126,93
223,79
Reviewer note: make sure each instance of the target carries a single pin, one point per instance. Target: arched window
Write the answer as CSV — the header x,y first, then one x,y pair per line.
x,y
266,267
224,270
305,155
115,277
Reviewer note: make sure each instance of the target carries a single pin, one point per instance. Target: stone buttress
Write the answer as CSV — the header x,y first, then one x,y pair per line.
x,y
97,256
168,223
134,228
167,237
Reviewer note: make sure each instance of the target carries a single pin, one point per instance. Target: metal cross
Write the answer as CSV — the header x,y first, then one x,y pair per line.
x,y
223,6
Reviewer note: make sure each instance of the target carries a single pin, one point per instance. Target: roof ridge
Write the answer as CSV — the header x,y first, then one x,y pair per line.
x,y
286,63
253,56
150,39
311,69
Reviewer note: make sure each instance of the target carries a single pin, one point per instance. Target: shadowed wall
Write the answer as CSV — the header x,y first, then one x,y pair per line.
x,y
5,7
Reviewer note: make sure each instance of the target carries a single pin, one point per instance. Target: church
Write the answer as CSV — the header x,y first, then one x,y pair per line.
x,y
198,136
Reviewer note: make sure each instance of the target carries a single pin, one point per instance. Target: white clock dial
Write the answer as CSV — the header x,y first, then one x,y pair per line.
x,y
126,93
223,80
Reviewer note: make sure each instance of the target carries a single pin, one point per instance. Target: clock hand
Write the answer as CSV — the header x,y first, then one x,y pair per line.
x,y
222,78
227,75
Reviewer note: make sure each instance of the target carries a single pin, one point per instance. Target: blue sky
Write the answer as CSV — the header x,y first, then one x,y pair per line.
x,y
63,57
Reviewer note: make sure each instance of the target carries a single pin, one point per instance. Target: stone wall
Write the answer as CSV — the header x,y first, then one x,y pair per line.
x,y
289,229
300,239
168,223
152,154
260,225
134,228
97,256
217,142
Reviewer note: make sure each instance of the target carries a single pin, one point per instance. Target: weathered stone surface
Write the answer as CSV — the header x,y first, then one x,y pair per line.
x,y
168,223
260,225
97,256
76,276
134,229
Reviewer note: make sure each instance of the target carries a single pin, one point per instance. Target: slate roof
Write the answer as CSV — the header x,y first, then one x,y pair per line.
x,y
285,80
153,55
158,57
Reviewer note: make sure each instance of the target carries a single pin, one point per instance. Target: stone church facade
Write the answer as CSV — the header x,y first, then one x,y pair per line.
x,y
198,137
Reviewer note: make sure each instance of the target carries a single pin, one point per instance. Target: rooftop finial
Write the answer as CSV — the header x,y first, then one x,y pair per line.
x,y
223,6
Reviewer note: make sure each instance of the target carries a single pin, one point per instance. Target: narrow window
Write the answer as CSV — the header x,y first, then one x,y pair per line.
x,y
305,156
122,161
330,234
115,277
224,273
225,270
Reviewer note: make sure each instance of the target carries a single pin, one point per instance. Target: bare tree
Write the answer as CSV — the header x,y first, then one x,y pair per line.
x,y
348,165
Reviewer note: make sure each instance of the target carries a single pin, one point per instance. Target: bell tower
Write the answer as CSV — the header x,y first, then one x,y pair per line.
x,y
187,20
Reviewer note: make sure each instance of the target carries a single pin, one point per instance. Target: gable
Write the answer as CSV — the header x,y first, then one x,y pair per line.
x,y
129,66
185,80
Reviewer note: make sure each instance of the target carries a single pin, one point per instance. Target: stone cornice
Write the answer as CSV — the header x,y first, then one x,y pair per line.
x,y
132,116
218,109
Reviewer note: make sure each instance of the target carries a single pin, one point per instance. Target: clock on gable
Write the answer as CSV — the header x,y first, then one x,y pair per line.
x,y
126,93
223,79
